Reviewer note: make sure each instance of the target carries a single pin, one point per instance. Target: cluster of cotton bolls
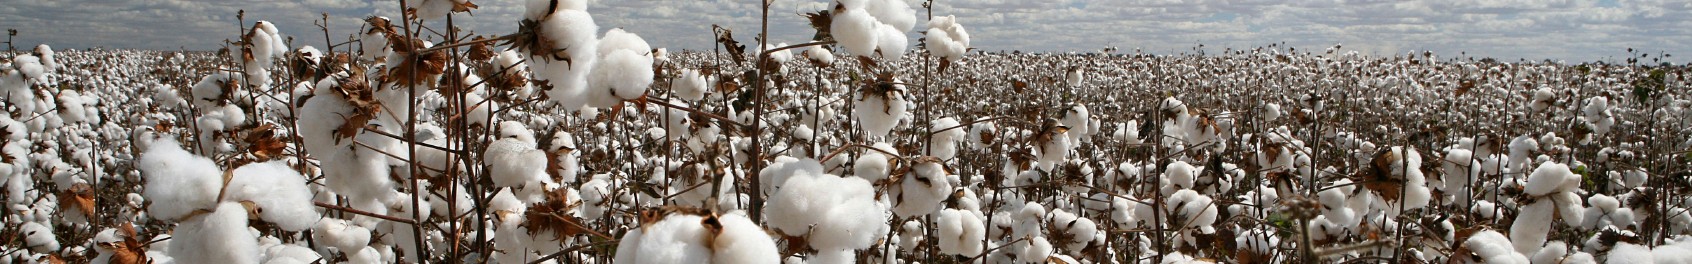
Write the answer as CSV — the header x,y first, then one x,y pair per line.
x,y
876,28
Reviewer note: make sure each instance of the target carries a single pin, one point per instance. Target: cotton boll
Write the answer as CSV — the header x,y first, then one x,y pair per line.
x,y
341,234
278,190
624,70
891,44
921,191
742,241
947,38
1493,247
1531,227
689,85
831,209
1037,251
878,114
855,30
536,9
568,70
178,182
39,238
874,165
960,232
895,13
1629,253
678,238
946,134
1551,177
217,237
820,56
513,162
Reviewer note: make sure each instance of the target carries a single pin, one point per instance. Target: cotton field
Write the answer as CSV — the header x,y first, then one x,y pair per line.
x,y
879,140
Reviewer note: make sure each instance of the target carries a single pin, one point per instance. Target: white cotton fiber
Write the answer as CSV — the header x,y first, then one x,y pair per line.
x,y
178,182
575,32
921,191
513,162
838,213
960,232
892,43
678,238
878,114
39,238
742,241
873,165
217,237
689,85
279,190
856,31
947,38
1493,247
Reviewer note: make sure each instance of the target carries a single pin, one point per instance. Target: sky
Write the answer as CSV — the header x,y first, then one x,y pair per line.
x,y
1566,30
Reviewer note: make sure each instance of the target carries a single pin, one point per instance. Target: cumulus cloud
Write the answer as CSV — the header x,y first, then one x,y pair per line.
x,y
1574,30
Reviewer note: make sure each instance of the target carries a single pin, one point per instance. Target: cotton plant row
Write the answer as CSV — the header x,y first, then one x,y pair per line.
x,y
566,142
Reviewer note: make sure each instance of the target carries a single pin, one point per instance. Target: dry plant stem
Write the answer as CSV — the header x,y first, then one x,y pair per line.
x,y
411,143
757,206
363,213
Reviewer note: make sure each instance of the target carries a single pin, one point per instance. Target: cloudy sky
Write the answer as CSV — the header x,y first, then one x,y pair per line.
x,y
1571,30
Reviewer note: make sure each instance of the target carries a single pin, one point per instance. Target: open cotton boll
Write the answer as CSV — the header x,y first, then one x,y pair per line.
x,y
1531,227
780,56
960,232
891,44
1542,99
1493,247
689,85
209,91
895,13
1197,209
921,191
536,9
178,182
830,208
742,241
341,234
1037,250
878,114
855,30
947,38
321,116
679,238
513,162
217,237
623,72
277,189
39,238
1629,253
1551,177
874,165
567,70
47,59
947,134
820,56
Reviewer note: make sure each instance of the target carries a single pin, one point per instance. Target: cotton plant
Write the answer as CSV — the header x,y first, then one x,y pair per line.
x,y
212,215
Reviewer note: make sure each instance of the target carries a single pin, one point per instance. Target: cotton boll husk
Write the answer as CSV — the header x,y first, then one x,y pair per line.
x,y
178,182
742,241
891,44
575,31
689,85
278,190
856,31
217,237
